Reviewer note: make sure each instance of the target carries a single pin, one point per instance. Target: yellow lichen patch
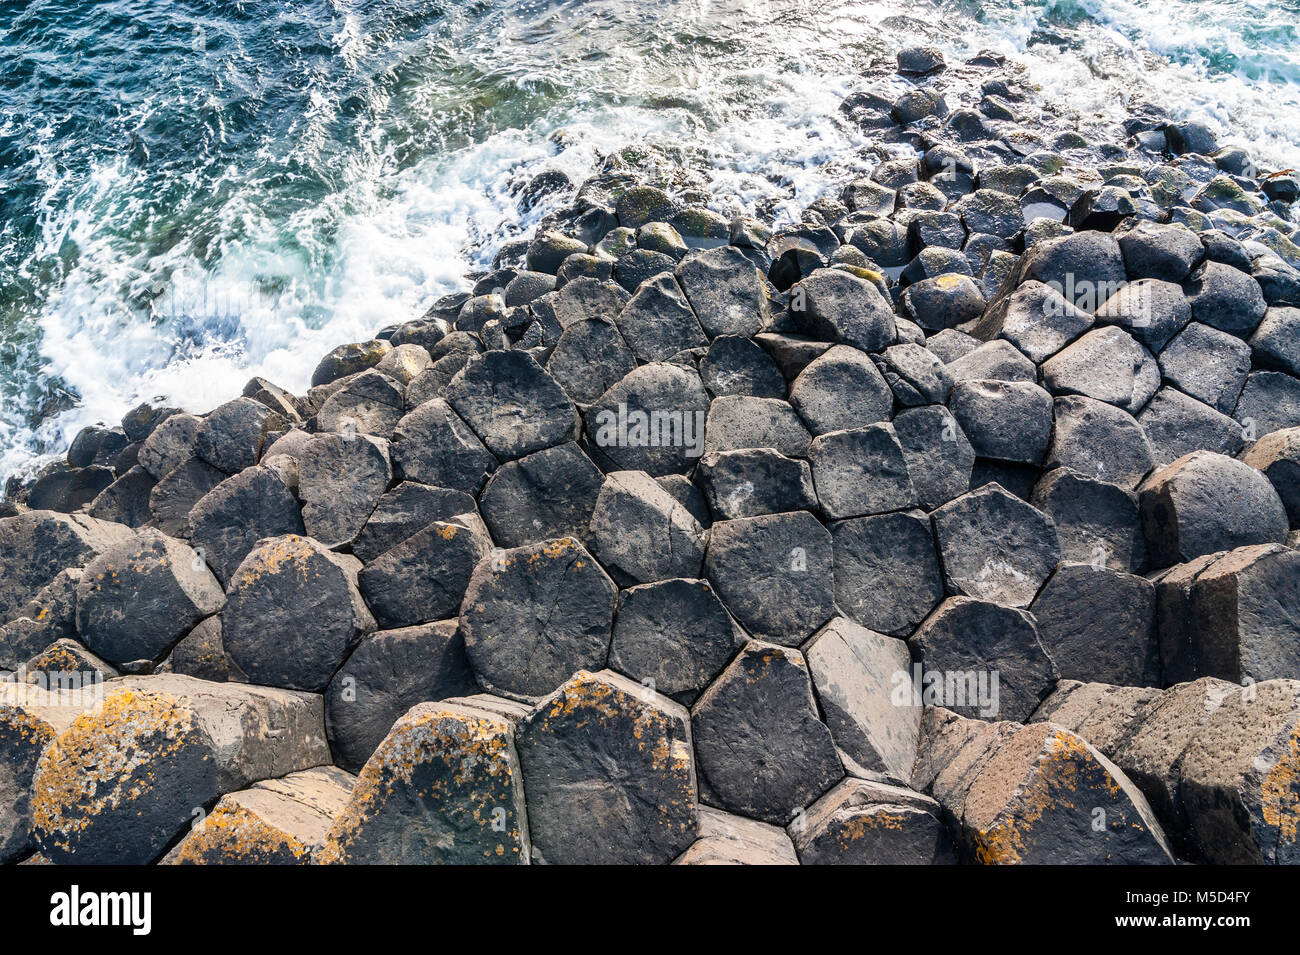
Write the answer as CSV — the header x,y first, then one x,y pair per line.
x,y
232,834
1280,791
447,531
101,763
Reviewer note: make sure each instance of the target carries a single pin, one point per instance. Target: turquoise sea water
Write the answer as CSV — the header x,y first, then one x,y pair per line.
x,y
196,191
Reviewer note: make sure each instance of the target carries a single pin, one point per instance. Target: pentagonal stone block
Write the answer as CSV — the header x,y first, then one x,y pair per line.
x,y
590,358
170,444
642,533
939,456
727,839
512,404
987,660
367,403
1270,401
424,578
726,292
1036,319
1207,364
861,472
36,546
444,787
47,617
1206,502
761,749
126,500
658,322
1176,424
1100,441
267,631
887,574
841,389
1046,796
738,421
755,481
1165,252
1238,778
774,573
1099,625
123,780
432,445
1106,364
915,375
1276,343
406,509
389,672
275,822
231,438
138,598
855,672
229,520
341,478
1004,420
734,365
1151,311
652,420
1096,522
870,823
534,615
995,546
1277,457
550,493
610,774
202,654
673,636
835,306
995,360
1225,298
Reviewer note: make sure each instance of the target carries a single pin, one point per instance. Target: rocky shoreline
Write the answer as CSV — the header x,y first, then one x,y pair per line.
x,y
956,523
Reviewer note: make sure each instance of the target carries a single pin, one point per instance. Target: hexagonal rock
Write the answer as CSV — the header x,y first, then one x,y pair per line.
x,y
1166,252
424,578
1102,714
835,306
1238,621
534,615
1207,364
275,822
31,717
231,438
1226,298
652,420
229,520
987,660
855,672
138,598
368,403
996,360
869,823
774,573
406,509
124,778
590,357
938,454
444,787
887,574
341,478
36,546
861,472
841,389
642,533
434,446
126,500
658,322
550,493
512,404
1086,267
755,481
1036,319
46,618
1176,424
389,672
1277,457
760,748
1099,625
673,636
725,290
734,365
1151,311
1106,364
1004,420
726,839
1206,502
1099,441
293,611
994,546
1276,343
915,374
1096,522
1040,797
736,422
610,774
1238,778
170,444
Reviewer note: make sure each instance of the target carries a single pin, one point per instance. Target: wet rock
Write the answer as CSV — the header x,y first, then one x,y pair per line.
x,y
68,489
424,578
534,615
920,60
995,546
142,595
761,750
183,749
443,787
232,437
774,573
1206,502
263,629
389,672
349,359
169,445
610,774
